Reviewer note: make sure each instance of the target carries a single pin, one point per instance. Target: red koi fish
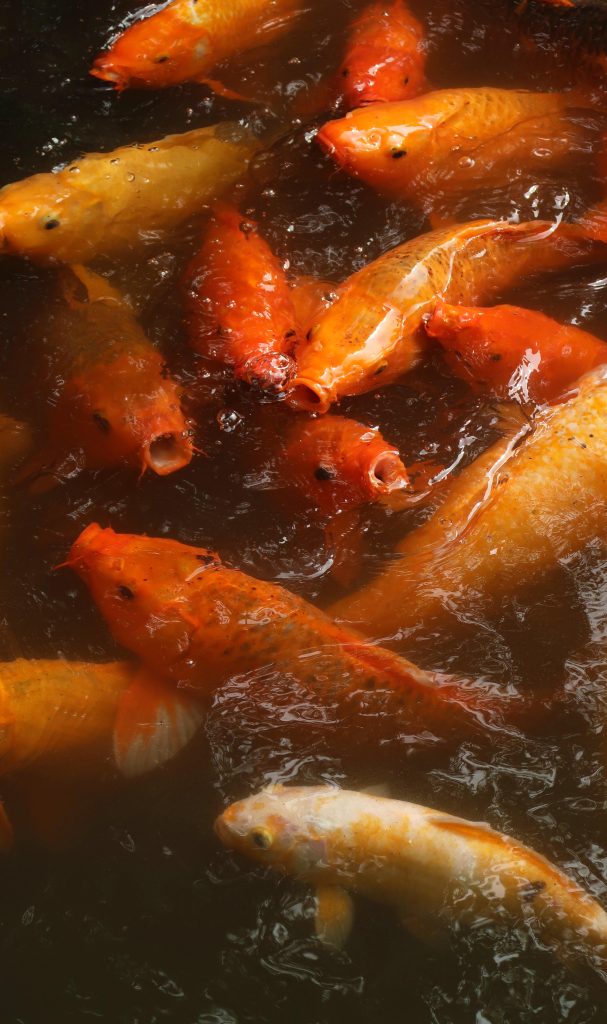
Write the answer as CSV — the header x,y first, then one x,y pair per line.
x,y
200,624
386,56
186,39
453,140
239,306
516,353
338,464
116,403
372,334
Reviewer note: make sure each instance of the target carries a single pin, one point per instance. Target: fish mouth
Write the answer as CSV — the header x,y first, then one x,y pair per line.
x,y
107,72
309,396
166,453
387,473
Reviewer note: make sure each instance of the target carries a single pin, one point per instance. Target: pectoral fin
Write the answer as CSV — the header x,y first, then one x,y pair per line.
x,y
153,723
226,93
334,915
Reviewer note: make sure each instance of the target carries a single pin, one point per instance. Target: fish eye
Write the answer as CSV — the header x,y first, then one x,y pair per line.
x,y
262,838
125,593
102,423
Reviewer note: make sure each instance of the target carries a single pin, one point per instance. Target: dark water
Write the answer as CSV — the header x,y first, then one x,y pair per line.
x,y
118,903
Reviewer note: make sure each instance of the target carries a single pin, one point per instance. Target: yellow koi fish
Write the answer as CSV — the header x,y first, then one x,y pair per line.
x,y
108,202
52,706
425,864
507,520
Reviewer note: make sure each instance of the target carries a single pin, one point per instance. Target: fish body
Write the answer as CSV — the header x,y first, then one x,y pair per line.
x,y
186,39
432,868
513,352
508,520
116,403
385,59
239,306
371,335
337,464
51,706
453,140
200,624
106,203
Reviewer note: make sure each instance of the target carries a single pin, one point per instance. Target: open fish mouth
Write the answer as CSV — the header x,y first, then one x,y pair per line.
x,y
167,453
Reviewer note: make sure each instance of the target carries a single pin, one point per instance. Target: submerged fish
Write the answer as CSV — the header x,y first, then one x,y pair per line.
x,y
455,139
336,464
115,403
50,707
109,202
199,624
386,56
238,302
507,520
372,334
516,353
432,868
186,39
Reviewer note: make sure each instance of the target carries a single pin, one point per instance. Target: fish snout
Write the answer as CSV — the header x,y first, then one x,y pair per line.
x,y
107,70
309,396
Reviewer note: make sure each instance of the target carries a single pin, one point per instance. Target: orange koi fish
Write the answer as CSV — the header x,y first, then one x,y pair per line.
x,y
107,203
434,869
337,464
454,139
239,306
51,707
372,335
200,624
116,403
508,519
516,353
186,39
386,58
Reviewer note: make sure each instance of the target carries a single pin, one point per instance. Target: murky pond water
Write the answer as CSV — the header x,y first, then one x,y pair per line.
x,y
118,902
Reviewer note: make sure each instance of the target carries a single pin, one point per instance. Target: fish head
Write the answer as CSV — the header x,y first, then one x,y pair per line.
x,y
285,827
158,51
379,143
145,589
126,410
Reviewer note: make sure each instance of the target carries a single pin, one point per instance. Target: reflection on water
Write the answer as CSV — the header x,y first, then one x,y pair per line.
x,y
118,904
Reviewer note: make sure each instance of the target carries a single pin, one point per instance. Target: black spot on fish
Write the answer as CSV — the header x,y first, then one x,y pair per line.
x,y
531,890
51,224
346,72
325,473
161,60
406,80
398,153
205,559
102,423
495,357
126,593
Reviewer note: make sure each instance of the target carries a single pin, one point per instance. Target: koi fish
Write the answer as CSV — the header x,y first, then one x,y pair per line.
x,y
116,403
371,335
186,39
50,707
509,518
432,868
106,203
239,306
385,58
199,624
516,353
455,139
337,464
